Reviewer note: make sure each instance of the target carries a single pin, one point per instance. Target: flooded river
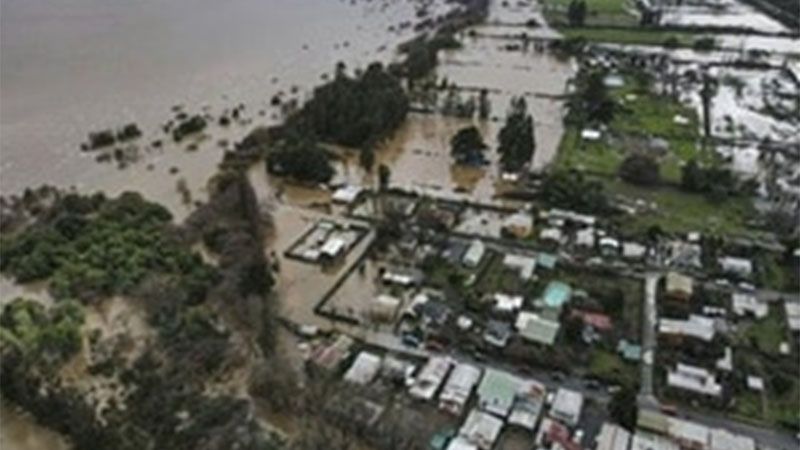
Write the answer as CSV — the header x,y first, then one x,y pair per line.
x,y
69,67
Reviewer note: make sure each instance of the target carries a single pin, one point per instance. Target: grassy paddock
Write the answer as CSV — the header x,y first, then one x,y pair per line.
x,y
599,12
631,36
681,212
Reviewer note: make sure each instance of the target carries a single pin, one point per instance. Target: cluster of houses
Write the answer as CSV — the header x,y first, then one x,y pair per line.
x,y
487,399
657,431
703,323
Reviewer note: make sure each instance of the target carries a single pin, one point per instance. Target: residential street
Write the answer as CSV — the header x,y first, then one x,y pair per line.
x,y
649,341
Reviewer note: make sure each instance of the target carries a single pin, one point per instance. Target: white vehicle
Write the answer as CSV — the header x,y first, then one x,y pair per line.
x,y
578,436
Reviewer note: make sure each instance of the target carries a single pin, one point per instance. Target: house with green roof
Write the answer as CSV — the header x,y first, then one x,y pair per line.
x,y
497,391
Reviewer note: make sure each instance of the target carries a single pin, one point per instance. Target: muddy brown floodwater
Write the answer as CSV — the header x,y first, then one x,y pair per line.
x,y
21,432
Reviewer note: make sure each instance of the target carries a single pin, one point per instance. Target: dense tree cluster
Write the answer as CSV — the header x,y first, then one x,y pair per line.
x,y
640,169
51,334
93,247
516,141
570,189
467,146
422,53
167,403
191,125
622,408
716,182
354,111
592,102
302,159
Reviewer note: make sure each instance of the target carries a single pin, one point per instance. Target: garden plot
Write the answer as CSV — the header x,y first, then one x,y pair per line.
x,y
752,105
720,14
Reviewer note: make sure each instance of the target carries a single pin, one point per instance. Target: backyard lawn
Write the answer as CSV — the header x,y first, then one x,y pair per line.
x,y
680,212
641,116
630,36
610,368
768,333
598,12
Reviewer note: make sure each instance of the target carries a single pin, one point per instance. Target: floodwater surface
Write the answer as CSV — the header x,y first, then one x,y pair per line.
x,y
73,66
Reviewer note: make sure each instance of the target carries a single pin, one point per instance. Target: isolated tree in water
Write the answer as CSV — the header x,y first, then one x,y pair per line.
x,y
576,13
516,141
467,146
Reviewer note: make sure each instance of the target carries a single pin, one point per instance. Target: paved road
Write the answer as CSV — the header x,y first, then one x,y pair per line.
x,y
765,437
649,341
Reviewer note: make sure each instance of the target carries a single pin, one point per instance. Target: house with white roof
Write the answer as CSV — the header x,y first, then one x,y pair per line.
x,y
364,368
612,437
696,326
567,406
431,376
458,388
744,304
525,265
474,254
481,429
736,266
695,379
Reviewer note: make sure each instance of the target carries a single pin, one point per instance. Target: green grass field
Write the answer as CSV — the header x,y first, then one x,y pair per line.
x,y
630,36
680,212
768,333
610,368
640,117
599,12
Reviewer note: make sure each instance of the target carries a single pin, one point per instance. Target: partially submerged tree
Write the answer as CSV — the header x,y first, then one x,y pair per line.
x,y
467,146
516,141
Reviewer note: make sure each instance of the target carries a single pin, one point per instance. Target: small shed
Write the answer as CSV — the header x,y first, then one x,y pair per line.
x,y
474,254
